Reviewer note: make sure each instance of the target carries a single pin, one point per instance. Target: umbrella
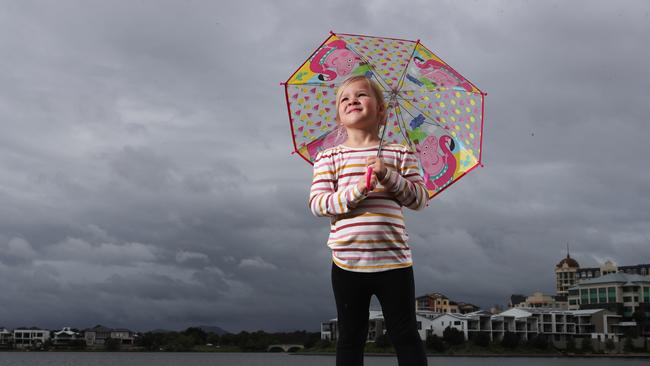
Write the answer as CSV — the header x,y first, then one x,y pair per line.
x,y
432,108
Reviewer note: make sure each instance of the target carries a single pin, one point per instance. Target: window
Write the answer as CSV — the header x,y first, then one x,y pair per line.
x,y
611,294
584,296
627,298
602,295
627,311
593,295
457,322
419,325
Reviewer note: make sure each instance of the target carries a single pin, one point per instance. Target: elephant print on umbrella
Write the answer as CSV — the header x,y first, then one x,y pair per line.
x,y
333,60
438,161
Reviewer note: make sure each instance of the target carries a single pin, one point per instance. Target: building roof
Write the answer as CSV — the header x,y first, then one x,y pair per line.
x,y
572,263
620,277
435,295
586,311
452,315
517,313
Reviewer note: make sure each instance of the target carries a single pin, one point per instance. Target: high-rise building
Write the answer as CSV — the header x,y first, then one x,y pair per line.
x,y
568,273
565,275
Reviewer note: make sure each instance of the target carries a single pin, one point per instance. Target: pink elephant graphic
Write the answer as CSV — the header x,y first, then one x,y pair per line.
x,y
438,161
332,60
441,74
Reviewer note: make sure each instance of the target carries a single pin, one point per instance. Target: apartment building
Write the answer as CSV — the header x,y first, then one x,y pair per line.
x,y
30,337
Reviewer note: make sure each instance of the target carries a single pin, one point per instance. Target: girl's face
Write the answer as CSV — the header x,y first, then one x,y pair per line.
x,y
358,107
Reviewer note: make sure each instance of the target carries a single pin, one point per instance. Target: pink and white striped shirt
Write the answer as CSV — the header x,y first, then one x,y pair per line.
x,y
367,233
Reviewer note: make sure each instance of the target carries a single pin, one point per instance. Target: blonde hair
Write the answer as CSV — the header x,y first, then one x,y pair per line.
x,y
376,90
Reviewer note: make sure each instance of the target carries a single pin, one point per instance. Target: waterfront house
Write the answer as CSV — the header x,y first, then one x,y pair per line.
x,y
98,335
6,338
30,337
66,337
435,324
621,293
376,328
561,325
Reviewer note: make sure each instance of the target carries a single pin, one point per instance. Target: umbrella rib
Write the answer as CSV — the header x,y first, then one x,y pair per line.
x,y
403,130
379,77
401,78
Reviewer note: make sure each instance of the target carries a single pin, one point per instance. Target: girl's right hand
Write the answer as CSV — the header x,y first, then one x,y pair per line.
x,y
361,183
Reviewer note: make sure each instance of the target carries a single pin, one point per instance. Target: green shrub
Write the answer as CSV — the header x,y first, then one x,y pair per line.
x,y
453,336
435,343
481,340
510,340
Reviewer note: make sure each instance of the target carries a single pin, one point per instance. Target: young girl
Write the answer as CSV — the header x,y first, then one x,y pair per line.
x,y
368,236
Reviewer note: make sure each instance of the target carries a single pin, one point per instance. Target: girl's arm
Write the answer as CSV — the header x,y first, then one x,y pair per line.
x,y
406,183
324,198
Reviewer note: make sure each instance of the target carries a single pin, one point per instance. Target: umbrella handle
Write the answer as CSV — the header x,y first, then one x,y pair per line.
x,y
368,177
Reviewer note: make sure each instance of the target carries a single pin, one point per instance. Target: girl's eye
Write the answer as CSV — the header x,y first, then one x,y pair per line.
x,y
344,99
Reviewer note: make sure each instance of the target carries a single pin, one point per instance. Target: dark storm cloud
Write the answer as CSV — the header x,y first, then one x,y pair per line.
x,y
147,182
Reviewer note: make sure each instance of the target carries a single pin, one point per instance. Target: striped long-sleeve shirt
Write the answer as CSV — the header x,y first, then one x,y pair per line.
x,y
367,232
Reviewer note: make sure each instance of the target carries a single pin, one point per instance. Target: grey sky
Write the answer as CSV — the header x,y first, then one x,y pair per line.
x,y
146,179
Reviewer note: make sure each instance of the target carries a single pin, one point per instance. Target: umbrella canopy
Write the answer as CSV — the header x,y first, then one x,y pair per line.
x,y
431,108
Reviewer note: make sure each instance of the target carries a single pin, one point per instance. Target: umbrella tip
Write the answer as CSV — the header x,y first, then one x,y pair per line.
x,y
283,83
332,33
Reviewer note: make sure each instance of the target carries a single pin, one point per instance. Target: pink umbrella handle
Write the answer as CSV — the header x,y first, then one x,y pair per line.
x,y
368,177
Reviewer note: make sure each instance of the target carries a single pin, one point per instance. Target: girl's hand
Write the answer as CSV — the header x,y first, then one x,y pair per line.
x,y
378,167
361,183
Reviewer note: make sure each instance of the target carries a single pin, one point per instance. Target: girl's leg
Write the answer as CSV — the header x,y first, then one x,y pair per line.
x,y
352,297
395,290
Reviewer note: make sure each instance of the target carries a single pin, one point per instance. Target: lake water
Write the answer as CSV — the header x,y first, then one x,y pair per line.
x,y
271,359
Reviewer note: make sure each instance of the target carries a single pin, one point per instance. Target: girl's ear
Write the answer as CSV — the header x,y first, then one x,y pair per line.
x,y
383,115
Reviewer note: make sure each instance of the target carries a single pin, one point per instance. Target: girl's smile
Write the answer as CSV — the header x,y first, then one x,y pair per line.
x,y
358,107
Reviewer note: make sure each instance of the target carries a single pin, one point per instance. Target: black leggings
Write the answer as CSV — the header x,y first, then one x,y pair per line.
x,y
395,290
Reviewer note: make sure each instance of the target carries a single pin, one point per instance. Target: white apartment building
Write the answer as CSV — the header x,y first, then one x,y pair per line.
x,y
32,337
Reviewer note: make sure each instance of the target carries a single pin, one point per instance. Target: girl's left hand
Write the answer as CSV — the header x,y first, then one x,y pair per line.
x,y
378,167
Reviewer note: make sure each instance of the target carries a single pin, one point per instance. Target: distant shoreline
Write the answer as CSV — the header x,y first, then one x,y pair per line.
x,y
492,355
371,354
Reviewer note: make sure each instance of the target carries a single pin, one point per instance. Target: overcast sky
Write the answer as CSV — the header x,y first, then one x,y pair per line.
x,y
147,181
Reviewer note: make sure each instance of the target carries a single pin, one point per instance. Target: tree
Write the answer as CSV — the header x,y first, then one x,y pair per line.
x,y
453,336
181,343
571,345
213,339
539,341
628,346
510,340
383,341
112,344
610,345
199,337
482,339
435,343
586,345
151,341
